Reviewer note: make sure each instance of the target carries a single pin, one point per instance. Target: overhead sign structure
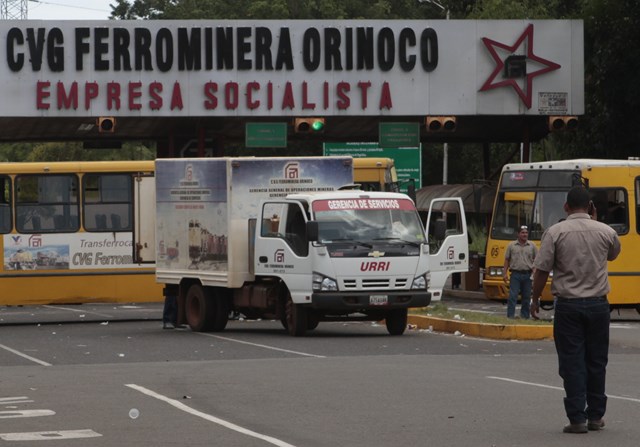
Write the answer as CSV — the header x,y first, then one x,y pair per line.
x,y
247,68
407,160
266,135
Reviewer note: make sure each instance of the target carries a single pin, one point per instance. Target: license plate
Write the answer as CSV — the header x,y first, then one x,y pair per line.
x,y
378,300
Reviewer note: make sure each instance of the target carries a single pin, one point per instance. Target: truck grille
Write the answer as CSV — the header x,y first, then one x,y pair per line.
x,y
374,284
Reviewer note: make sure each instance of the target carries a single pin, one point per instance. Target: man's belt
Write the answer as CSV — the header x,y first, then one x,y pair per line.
x,y
519,271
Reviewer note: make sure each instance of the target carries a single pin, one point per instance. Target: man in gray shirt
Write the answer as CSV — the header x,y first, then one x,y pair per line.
x,y
577,251
518,262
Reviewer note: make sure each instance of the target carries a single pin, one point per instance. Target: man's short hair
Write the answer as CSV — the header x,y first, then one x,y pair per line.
x,y
578,197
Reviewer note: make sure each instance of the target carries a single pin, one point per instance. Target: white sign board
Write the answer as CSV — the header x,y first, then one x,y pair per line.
x,y
302,68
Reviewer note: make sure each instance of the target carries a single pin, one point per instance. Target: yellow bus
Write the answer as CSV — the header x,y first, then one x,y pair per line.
x,y
375,174
67,232
533,194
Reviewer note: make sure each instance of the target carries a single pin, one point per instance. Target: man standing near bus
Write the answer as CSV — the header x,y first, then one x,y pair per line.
x,y
518,265
577,250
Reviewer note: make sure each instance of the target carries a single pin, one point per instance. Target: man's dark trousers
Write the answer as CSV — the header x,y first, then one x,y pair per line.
x,y
581,334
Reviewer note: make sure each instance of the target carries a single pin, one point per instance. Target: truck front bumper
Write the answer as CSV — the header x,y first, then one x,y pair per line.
x,y
353,301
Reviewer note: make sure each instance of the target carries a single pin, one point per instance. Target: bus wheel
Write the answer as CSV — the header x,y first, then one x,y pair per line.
x,y
199,309
297,318
396,321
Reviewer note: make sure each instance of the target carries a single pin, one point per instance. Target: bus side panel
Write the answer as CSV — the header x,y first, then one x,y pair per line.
x,y
107,288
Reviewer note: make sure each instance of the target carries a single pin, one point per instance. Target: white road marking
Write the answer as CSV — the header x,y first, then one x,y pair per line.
x,y
208,417
273,348
82,311
622,326
14,400
540,385
10,414
49,435
28,357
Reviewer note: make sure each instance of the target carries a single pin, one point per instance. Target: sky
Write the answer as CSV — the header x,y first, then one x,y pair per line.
x,y
69,9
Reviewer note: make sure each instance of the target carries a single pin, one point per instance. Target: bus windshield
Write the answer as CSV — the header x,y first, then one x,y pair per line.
x,y
537,210
536,199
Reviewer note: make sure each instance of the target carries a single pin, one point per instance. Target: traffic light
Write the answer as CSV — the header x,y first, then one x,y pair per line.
x,y
562,123
106,124
441,123
308,125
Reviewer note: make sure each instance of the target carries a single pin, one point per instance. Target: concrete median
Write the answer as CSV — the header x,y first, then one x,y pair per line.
x,y
484,330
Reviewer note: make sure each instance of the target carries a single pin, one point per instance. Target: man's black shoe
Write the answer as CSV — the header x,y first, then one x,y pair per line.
x,y
575,428
596,425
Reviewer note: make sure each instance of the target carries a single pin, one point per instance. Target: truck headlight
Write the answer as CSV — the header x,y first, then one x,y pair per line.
x,y
323,283
420,282
496,271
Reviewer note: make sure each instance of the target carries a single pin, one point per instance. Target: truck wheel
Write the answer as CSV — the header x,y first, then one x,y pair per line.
x,y
396,321
312,321
297,318
220,317
199,309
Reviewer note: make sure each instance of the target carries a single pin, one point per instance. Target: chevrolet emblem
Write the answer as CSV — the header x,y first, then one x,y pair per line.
x,y
376,254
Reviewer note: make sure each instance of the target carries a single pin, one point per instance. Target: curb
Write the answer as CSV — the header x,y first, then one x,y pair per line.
x,y
493,331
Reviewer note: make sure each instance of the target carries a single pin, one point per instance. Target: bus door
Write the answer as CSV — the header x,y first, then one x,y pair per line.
x,y
144,233
448,254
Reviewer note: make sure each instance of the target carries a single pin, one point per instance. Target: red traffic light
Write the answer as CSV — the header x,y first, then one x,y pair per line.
x,y
106,124
563,123
440,123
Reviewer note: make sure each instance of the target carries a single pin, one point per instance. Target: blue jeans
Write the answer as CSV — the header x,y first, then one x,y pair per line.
x,y
520,284
170,310
581,334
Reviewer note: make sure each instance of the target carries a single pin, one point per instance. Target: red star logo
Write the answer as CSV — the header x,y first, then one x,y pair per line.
x,y
524,95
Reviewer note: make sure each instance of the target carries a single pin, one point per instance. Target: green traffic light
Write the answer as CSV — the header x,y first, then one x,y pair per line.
x,y
317,126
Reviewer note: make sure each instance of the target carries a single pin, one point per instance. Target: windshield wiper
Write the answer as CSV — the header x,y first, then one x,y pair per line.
x,y
347,240
398,239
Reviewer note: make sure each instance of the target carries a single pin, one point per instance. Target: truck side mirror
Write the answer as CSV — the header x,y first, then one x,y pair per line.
x,y
312,231
439,229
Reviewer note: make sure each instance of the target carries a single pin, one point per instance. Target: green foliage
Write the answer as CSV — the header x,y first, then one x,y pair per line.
x,y
478,236
71,151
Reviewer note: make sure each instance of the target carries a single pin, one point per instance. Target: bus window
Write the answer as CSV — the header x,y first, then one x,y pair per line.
x,y
5,204
611,207
46,203
107,202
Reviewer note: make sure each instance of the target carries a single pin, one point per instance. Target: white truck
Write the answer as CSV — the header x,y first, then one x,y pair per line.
x,y
276,238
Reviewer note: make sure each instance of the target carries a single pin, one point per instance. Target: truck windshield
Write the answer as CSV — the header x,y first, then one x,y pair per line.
x,y
368,220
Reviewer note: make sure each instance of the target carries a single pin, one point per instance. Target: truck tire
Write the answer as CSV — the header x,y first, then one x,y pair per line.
x,y
199,309
396,321
297,318
312,321
222,310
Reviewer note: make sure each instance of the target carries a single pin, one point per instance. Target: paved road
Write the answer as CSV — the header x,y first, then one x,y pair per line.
x,y
105,375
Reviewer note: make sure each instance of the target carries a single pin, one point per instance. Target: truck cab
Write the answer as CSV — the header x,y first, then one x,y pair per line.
x,y
345,255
